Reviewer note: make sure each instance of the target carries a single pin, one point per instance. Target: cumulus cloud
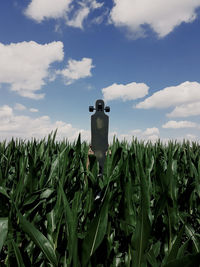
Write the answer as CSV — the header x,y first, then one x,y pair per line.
x,y
26,127
5,112
130,91
82,13
26,65
153,138
172,96
191,137
72,11
161,16
149,134
153,134
191,109
76,70
19,107
79,17
136,131
151,131
46,9
95,4
33,110
180,124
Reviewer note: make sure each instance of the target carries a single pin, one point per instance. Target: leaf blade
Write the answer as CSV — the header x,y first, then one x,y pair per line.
x,y
3,231
39,239
96,232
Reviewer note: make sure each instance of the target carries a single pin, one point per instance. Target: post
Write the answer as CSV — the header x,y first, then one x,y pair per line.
x,y
99,132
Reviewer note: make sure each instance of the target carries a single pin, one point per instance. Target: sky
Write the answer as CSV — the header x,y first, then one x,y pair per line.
x,y
141,57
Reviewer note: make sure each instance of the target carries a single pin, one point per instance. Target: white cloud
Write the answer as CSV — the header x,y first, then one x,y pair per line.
x,y
161,16
67,9
130,91
26,127
95,4
25,66
191,137
149,134
191,109
33,110
19,107
47,9
153,134
172,96
153,138
78,18
76,70
58,28
82,13
100,19
180,124
137,131
128,137
5,112
151,131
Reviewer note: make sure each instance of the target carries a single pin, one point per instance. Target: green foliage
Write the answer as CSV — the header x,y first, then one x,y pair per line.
x,y
144,211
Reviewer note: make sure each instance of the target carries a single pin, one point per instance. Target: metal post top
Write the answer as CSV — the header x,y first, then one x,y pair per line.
x,y
99,106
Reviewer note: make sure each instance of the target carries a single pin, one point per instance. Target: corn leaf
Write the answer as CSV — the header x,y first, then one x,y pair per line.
x,y
3,191
71,227
96,232
18,255
3,231
192,260
141,235
174,250
39,239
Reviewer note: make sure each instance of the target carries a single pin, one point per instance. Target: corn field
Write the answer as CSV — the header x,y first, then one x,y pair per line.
x,y
56,211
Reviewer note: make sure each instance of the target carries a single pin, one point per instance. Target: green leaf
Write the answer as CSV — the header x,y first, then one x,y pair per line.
x,y
3,191
39,239
182,249
78,145
71,226
174,250
115,158
55,165
65,261
46,193
153,253
191,234
30,199
156,248
140,238
152,259
192,260
18,255
96,232
3,231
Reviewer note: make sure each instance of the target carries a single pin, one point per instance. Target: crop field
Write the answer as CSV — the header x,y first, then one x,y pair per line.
x,y
55,210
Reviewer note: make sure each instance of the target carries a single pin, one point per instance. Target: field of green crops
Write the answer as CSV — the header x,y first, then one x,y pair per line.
x,y
144,211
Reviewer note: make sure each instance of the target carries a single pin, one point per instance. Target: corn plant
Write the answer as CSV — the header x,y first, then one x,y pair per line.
x,y
55,210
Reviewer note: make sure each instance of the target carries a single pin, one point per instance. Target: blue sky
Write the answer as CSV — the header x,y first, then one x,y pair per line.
x,y
59,57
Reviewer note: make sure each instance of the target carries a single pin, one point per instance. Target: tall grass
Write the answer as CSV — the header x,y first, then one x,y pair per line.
x,y
144,211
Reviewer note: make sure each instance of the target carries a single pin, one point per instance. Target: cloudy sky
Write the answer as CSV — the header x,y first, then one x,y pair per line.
x,y
58,57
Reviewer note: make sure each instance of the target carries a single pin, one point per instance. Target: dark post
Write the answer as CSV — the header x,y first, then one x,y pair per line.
x,y
99,132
